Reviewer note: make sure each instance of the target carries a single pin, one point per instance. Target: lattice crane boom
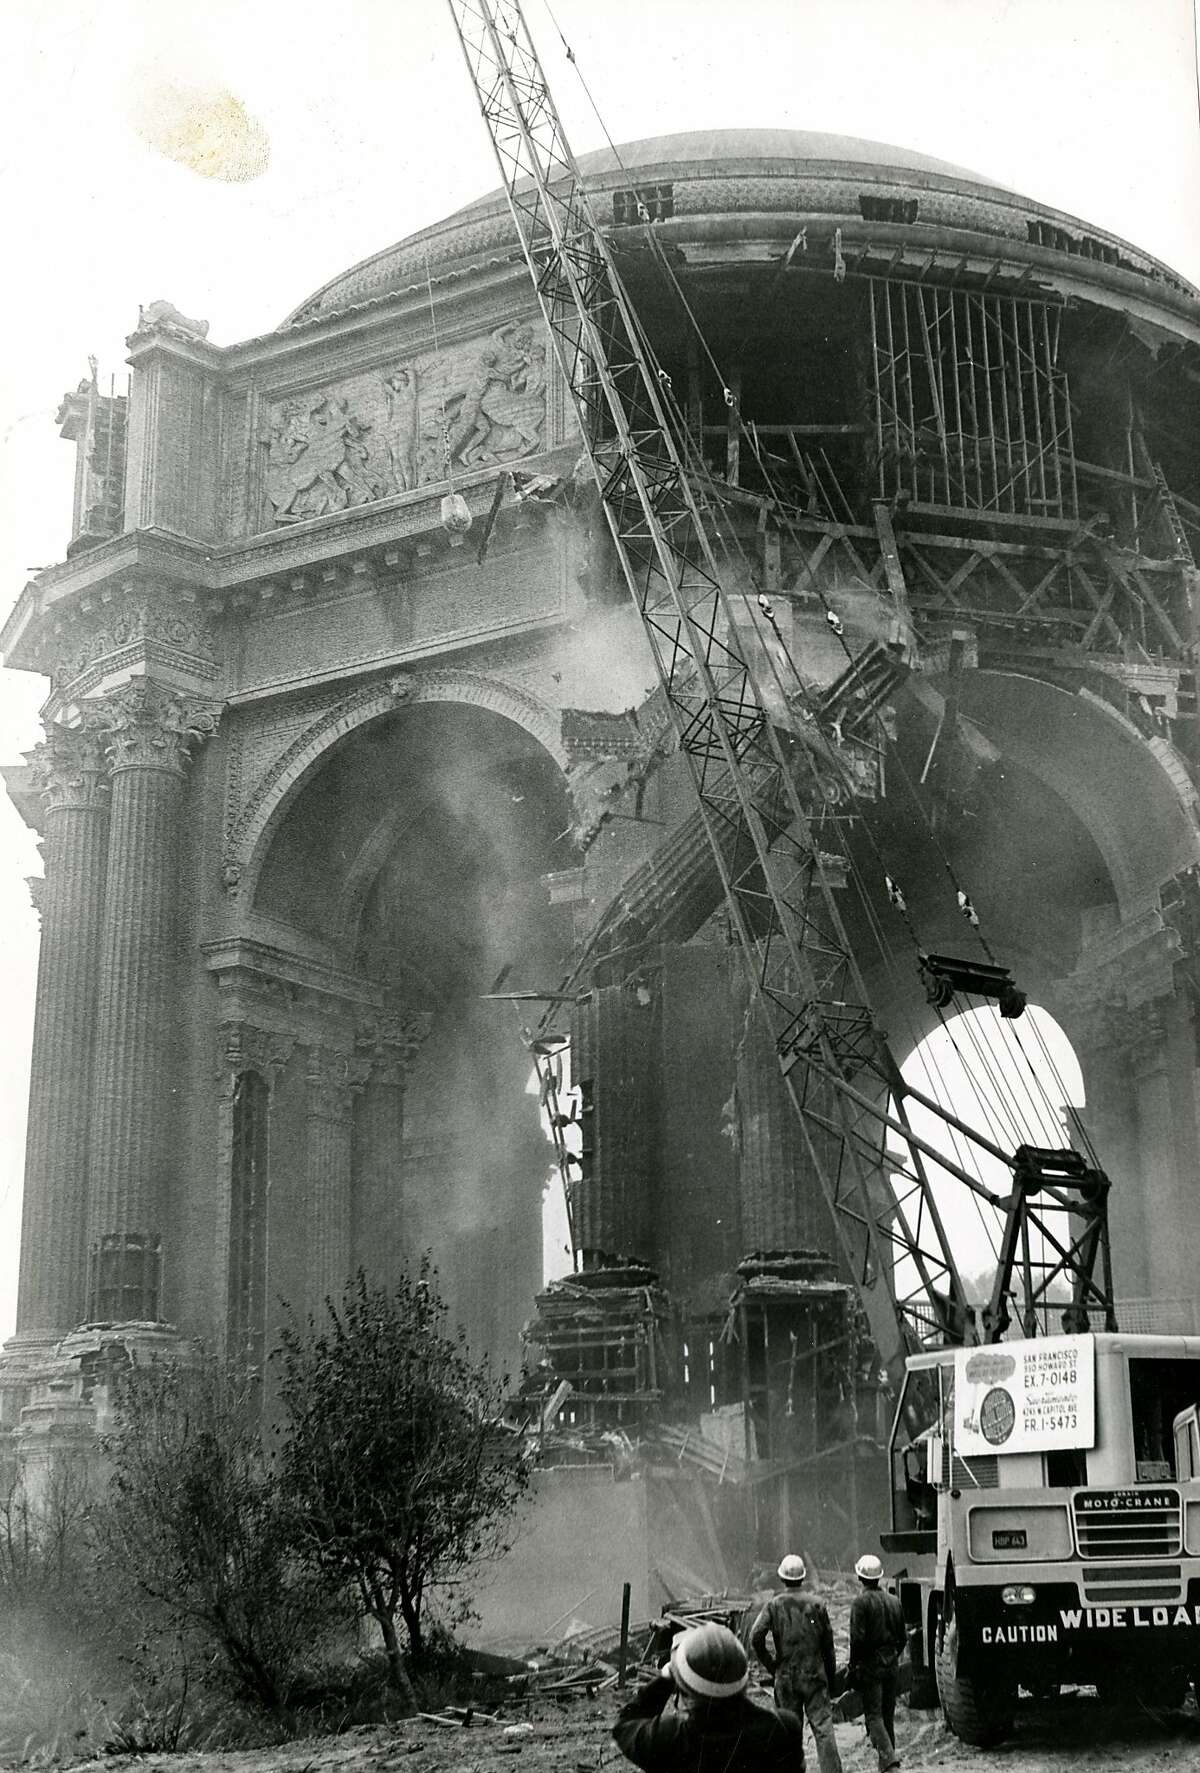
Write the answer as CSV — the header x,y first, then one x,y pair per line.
x,y
745,763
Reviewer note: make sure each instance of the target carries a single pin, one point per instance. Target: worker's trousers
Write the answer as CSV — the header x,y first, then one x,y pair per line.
x,y
810,1698
879,1715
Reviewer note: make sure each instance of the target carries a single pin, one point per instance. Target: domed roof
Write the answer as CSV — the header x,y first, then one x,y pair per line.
x,y
804,146
778,176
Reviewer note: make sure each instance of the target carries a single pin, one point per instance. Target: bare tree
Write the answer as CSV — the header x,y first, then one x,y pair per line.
x,y
393,1461
43,1533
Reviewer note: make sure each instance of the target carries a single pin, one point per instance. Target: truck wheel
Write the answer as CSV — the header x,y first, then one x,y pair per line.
x,y
976,1711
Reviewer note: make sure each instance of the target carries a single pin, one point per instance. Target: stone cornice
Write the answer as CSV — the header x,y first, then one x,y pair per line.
x,y
284,351
142,625
249,962
162,341
327,554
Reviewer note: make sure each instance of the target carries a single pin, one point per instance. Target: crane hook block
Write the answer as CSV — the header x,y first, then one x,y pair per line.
x,y
943,976
1036,1167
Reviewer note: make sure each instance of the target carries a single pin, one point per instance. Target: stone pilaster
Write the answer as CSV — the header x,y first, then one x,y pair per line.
x,y
147,732
52,1285
380,1228
332,1080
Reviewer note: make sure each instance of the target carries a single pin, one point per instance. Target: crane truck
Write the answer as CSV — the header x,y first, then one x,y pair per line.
x,y
1046,1509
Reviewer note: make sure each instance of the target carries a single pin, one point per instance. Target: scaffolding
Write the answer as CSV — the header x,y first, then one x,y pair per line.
x,y
971,405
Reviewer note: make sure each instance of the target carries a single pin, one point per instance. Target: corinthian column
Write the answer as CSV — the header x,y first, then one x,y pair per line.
x,y
333,1080
147,731
52,1284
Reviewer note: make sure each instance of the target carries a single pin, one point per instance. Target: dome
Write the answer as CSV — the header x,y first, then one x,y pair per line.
x,y
804,147
723,181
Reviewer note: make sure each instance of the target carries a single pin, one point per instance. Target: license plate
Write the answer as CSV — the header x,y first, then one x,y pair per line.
x,y
1009,1539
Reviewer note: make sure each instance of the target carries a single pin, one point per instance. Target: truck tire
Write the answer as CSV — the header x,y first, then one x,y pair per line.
x,y
977,1712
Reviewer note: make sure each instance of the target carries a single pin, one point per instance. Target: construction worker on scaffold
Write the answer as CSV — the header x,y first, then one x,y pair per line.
x,y
793,1639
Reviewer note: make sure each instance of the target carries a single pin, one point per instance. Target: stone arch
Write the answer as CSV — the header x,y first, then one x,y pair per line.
x,y
1131,792
266,806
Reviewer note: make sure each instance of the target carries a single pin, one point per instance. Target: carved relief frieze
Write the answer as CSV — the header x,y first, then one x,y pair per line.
x,y
145,725
378,434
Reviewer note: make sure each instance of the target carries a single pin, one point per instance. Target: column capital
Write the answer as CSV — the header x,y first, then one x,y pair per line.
x,y
147,725
70,769
388,1043
333,1080
244,1047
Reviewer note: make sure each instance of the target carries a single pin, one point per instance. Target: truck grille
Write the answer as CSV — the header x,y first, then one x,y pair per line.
x,y
1115,1524
1131,1583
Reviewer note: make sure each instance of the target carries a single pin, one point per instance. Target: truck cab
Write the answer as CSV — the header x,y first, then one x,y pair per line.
x,y
1046,1518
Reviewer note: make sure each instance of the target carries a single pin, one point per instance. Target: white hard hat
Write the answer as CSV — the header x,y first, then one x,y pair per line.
x,y
869,1568
793,1568
708,1660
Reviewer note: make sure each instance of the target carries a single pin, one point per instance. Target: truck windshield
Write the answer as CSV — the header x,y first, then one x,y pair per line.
x,y
1158,1391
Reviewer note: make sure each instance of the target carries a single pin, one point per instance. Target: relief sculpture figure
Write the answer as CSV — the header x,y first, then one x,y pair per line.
x,y
321,457
499,399
516,408
403,425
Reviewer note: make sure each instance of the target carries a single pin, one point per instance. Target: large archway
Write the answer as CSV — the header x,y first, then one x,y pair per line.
x,y
416,852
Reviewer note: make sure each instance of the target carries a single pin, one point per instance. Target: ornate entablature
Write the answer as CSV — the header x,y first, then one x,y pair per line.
x,y
137,627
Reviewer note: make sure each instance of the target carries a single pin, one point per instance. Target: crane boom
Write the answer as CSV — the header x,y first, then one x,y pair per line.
x,y
748,768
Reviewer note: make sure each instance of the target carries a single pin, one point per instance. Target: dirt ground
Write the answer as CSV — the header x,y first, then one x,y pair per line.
x,y
1074,1732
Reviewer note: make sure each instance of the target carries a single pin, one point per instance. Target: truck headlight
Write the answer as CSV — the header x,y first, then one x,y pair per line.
x,y
1018,1594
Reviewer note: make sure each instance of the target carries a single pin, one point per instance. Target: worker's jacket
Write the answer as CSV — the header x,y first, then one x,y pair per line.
x,y
799,1625
877,1633
707,1735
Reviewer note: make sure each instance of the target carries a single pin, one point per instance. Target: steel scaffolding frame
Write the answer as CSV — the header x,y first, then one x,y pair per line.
x,y
972,408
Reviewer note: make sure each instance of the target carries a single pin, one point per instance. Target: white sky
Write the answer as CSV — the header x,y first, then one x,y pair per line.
x,y
1089,105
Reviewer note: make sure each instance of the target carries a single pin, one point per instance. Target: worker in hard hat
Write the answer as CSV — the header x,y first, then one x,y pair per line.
x,y
712,1727
877,1640
793,1639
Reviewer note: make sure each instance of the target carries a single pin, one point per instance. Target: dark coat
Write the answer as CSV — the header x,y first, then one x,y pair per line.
x,y
707,1735
877,1633
799,1624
